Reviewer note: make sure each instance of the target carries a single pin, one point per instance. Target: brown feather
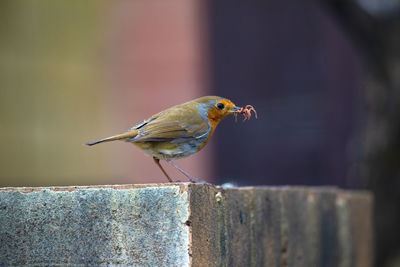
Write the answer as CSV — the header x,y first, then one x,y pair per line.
x,y
169,125
122,136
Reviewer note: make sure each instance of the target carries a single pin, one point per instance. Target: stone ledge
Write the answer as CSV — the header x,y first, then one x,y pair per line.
x,y
185,224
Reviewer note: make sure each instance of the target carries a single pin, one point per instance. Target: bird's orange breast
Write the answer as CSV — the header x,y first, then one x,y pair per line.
x,y
213,122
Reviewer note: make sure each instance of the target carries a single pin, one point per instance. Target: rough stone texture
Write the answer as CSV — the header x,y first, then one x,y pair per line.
x,y
137,226
185,225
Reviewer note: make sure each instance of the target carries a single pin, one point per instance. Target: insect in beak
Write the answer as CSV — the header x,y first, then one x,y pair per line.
x,y
246,112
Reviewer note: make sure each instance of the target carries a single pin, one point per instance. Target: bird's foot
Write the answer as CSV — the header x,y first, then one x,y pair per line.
x,y
191,178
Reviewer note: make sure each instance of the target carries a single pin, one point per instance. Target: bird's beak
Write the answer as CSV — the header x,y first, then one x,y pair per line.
x,y
236,109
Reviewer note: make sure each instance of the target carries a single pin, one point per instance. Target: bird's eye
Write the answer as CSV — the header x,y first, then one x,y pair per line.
x,y
220,106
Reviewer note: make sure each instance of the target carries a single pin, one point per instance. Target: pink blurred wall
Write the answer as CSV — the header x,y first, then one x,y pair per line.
x,y
157,59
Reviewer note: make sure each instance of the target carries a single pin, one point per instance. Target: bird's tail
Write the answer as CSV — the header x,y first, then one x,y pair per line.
x,y
123,136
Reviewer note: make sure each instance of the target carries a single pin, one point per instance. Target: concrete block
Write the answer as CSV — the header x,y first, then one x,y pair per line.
x,y
238,218
185,225
94,226
269,247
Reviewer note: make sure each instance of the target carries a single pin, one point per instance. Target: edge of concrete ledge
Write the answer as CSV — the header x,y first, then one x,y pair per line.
x,y
71,188
238,226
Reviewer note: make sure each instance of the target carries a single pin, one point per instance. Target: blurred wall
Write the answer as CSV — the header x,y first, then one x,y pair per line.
x,y
304,75
52,96
158,58
71,72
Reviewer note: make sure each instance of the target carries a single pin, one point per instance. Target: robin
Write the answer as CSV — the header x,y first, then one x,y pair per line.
x,y
179,131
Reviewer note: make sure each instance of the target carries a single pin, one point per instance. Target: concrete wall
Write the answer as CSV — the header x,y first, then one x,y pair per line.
x,y
185,225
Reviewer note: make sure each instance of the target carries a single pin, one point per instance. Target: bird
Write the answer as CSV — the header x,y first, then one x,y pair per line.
x,y
179,131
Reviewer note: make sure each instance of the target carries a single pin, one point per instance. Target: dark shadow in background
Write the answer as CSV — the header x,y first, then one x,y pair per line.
x,y
320,75
295,65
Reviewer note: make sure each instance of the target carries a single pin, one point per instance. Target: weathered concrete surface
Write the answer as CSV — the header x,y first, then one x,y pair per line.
x,y
185,225
94,226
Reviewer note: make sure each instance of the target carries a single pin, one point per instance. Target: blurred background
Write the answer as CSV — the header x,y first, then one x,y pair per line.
x,y
324,77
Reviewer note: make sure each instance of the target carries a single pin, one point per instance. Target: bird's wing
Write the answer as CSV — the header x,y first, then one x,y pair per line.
x,y
176,125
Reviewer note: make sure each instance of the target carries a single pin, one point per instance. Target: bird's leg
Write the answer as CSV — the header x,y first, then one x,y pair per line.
x,y
157,161
191,178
